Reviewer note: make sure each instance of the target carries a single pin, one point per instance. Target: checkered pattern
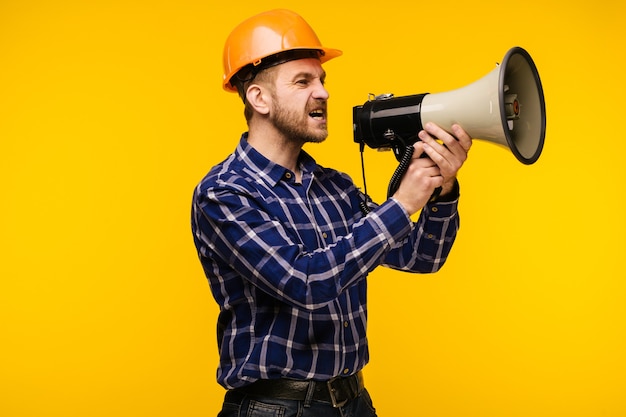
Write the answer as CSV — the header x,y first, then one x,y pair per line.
x,y
287,263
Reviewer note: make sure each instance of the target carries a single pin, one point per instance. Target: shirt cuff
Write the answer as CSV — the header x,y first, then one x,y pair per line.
x,y
445,206
451,196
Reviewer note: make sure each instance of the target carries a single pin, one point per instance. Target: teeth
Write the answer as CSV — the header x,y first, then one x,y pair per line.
x,y
317,113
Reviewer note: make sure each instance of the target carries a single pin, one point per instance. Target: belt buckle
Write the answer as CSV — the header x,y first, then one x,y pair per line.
x,y
331,391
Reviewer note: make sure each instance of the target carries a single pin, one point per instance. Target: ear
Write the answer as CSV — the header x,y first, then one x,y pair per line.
x,y
258,98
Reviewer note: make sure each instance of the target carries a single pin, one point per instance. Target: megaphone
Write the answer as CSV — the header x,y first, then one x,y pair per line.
x,y
505,107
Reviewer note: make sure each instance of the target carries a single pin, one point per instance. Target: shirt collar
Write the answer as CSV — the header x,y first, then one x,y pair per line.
x,y
267,170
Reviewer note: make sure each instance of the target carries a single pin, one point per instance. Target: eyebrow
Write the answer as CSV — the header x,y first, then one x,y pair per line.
x,y
309,75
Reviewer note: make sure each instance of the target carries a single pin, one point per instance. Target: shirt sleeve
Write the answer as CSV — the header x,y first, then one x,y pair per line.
x,y
426,248
241,238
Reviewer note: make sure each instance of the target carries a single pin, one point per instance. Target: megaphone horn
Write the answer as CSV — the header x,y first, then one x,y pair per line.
x,y
505,107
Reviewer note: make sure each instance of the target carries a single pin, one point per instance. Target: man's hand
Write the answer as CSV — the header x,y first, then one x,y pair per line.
x,y
439,169
449,155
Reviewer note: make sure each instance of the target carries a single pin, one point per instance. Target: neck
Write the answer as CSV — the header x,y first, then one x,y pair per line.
x,y
276,148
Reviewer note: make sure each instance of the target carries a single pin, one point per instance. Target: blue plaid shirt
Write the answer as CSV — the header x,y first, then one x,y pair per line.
x,y
287,264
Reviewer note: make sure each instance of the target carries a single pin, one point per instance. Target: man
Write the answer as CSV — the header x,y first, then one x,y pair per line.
x,y
284,244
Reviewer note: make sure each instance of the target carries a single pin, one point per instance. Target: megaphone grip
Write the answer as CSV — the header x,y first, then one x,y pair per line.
x,y
394,183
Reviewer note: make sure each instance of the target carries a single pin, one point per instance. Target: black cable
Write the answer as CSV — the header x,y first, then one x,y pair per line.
x,y
394,183
363,203
363,169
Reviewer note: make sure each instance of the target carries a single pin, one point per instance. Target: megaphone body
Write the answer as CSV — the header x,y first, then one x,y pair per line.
x,y
505,107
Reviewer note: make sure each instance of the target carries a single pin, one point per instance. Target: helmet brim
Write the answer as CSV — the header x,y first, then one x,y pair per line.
x,y
324,55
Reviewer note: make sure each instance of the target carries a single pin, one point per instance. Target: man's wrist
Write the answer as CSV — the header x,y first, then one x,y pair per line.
x,y
449,192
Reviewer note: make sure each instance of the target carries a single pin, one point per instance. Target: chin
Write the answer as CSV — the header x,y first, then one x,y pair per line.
x,y
319,138
316,140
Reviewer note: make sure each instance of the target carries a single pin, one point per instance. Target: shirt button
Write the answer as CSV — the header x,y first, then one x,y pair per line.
x,y
430,236
435,209
345,371
346,324
324,235
288,175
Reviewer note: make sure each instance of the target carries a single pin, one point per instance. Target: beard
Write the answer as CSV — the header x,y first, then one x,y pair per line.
x,y
295,126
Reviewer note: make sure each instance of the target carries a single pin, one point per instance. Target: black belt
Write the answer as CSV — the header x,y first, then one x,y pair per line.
x,y
337,391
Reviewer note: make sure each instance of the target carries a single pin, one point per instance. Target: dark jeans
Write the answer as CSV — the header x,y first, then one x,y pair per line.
x,y
241,405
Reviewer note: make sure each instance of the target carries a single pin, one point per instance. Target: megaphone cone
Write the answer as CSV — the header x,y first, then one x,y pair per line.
x,y
505,107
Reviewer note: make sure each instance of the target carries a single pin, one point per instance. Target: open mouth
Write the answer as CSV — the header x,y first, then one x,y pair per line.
x,y
318,114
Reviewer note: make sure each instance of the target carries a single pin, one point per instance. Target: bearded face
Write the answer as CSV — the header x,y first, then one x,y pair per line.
x,y
307,124
299,101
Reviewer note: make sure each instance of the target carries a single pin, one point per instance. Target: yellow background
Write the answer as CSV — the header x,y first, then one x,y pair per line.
x,y
111,111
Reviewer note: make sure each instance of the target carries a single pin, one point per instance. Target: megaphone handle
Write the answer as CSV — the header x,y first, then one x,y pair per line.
x,y
394,183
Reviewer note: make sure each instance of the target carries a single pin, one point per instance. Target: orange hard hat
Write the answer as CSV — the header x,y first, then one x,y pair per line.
x,y
267,34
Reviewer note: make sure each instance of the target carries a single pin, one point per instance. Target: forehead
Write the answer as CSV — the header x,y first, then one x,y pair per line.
x,y
307,66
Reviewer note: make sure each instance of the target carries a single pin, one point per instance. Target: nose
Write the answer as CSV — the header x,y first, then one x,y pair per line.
x,y
320,92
